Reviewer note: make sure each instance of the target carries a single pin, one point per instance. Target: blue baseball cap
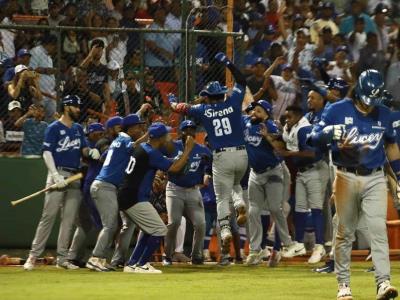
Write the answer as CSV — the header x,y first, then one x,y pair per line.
x,y
262,61
265,105
187,124
6,63
70,100
157,130
95,127
342,48
213,88
23,52
131,120
113,121
270,29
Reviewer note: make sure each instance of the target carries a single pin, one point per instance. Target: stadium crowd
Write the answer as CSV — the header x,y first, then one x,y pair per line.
x,y
295,55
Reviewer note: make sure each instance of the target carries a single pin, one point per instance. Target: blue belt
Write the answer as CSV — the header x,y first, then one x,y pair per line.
x,y
361,171
269,168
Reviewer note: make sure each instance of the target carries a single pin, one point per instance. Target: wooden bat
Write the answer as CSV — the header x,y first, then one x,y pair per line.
x,y
68,181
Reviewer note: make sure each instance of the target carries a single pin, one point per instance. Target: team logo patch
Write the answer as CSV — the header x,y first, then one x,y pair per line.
x,y
396,124
62,132
348,120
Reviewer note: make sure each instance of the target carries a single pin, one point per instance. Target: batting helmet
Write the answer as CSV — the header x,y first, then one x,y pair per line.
x,y
187,124
214,88
369,88
71,100
339,84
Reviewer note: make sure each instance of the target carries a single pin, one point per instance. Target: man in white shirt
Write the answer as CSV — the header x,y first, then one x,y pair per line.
x,y
382,32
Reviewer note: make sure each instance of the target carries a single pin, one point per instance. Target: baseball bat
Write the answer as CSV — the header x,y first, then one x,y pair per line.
x,y
68,181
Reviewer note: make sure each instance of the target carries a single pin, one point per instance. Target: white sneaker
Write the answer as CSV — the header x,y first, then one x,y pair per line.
x,y
386,291
265,254
67,265
242,254
206,255
147,269
293,250
129,269
318,253
254,258
274,259
96,264
344,292
226,237
30,263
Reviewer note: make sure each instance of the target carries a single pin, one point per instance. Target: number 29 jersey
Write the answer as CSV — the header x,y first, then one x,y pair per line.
x,y
222,120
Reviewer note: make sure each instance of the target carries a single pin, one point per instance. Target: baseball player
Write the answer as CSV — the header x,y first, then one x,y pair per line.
x,y
63,147
104,188
221,118
134,194
337,90
362,137
265,182
183,196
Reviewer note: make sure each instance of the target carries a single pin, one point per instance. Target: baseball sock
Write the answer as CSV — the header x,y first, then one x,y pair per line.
x,y
277,242
153,242
243,237
318,223
300,222
265,225
139,248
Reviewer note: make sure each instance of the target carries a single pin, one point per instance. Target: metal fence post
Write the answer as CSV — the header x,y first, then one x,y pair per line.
x,y
141,79
183,92
58,73
193,65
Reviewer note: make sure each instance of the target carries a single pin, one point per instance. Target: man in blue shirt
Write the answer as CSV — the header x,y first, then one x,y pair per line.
x,y
184,197
63,147
134,194
362,139
221,119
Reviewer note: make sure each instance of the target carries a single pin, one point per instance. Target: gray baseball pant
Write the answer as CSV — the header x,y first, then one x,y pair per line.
x,y
124,240
228,170
356,196
185,202
266,191
104,195
69,200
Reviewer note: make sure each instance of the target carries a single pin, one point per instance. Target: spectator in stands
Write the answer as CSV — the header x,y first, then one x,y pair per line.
x,y
115,81
33,127
23,57
325,21
328,46
263,44
98,21
272,16
393,78
128,100
38,7
357,38
71,47
160,49
117,41
13,135
371,57
297,22
133,62
382,31
347,24
152,94
8,36
71,15
118,10
89,8
340,67
97,77
273,53
24,87
54,18
42,62
260,87
128,21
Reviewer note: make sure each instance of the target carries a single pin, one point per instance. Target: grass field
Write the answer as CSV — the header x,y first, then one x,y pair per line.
x,y
185,282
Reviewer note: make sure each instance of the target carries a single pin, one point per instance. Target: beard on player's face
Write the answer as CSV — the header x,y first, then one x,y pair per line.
x,y
73,113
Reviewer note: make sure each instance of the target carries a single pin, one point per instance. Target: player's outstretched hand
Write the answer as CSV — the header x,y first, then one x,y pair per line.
x,y
94,154
222,58
59,180
189,143
172,98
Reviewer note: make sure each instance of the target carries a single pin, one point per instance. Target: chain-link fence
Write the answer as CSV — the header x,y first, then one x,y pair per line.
x,y
113,70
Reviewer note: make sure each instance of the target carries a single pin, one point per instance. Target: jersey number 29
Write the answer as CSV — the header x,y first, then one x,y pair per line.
x,y
222,127
131,165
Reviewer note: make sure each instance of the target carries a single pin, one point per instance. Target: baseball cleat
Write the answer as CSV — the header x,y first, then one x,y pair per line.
x,y
117,264
293,250
97,264
197,261
254,258
224,260
318,253
67,265
129,269
329,267
29,265
265,254
385,291
274,259
226,237
241,216
147,269
166,261
206,255
180,257
344,292
238,261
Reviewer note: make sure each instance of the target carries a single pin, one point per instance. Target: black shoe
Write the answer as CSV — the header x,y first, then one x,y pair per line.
x,y
78,263
117,264
197,261
329,267
238,261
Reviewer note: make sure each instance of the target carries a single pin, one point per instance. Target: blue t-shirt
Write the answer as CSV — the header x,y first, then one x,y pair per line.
x,y
199,160
302,136
65,144
396,124
33,137
260,153
314,117
139,175
367,134
222,120
116,160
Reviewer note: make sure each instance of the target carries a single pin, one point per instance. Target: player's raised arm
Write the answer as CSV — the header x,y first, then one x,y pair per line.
x,y
237,75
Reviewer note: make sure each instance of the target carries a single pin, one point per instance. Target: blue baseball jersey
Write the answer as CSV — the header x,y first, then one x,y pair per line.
x,y
302,136
65,144
396,125
116,160
366,134
199,160
314,117
260,152
139,175
222,120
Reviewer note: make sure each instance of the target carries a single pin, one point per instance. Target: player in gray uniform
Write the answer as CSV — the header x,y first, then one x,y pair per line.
x,y
63,147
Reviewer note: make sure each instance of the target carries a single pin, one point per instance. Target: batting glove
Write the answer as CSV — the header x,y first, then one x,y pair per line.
x,y
222,58
94,154
337,132
172,98
59,180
